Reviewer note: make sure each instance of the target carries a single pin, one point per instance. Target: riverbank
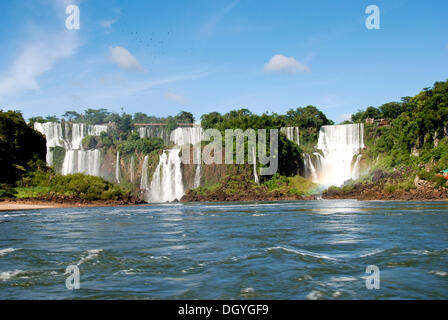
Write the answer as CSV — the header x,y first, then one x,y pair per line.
x,y
41,203
420,190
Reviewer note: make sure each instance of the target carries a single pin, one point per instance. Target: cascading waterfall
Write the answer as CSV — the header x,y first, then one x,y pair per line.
x,y
254,157
132,168
339,144
292,133
355,170
310,170
144,183
117,168
155,132
167,184
76,159
82,161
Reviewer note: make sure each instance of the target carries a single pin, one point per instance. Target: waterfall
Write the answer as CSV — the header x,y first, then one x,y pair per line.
x,y
82,161
167,181
292,133
167,184
117,168
254,157
53,135
339,144
187,135
355,170
144,185
197,174
132,168
190,136
70,138
154,132
310,170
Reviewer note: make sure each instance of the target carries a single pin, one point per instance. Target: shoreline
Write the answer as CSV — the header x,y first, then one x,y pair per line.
x,y
7,205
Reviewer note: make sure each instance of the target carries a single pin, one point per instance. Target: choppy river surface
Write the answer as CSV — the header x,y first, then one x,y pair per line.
x,y
278,250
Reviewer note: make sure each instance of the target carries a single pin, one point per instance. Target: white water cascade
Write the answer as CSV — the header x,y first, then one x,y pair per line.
x,y
339,144
69,136
292,133
167,181
144,184
254,157
167,184
117,168
310,170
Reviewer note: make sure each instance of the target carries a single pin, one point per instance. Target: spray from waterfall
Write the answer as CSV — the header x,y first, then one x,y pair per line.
x,y
339,144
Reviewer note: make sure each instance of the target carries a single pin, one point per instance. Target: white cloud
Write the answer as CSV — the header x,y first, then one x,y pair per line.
x,y
124,59
281,63
108,23
35,59
176,98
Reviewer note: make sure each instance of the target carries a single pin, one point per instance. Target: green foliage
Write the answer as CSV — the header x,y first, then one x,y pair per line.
x,y
423,121
297,185
6,191
43,182
135,144
89,142
20,146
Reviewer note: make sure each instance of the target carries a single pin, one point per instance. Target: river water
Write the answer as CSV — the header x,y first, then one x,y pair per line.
x,y
266,250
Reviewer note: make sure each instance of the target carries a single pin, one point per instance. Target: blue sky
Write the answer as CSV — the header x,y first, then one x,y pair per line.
x,y
161,57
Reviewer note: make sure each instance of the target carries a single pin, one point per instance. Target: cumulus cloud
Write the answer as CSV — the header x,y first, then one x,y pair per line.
x,y
35,59
176,98
281,63
124,59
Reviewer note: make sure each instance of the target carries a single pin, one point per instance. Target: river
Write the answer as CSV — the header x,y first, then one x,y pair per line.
x,y
265,250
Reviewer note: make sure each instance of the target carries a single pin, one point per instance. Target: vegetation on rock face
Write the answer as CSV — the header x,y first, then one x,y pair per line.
x,y
413,144
135,144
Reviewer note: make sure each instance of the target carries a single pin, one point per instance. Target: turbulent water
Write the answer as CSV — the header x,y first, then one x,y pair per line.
x,y
282,250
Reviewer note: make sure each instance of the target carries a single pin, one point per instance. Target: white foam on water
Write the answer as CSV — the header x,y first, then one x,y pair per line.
x,y
90,255
6,251
247,290
440,273
7,275
371,253
343,279
301,252
314,295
